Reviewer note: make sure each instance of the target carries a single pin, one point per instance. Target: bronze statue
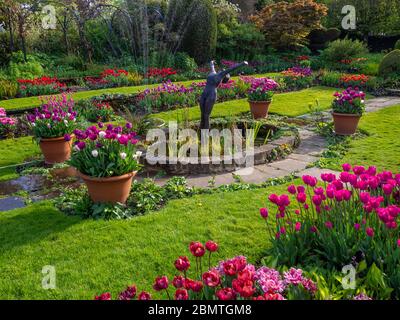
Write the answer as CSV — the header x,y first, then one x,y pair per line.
x,y
209,95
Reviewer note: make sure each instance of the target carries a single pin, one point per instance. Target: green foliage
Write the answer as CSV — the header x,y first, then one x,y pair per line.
x,y
184,62
343,50
200,35
319,38
287,25
21,69
390,64
397,45
8,89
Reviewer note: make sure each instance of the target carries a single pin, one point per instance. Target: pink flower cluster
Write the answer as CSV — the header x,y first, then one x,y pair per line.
x,y
349,96
4,120
232,279
263,84
99,136
55,109
166,87
371,199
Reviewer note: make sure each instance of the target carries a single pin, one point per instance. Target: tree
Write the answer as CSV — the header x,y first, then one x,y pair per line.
x,y
195,23
287,25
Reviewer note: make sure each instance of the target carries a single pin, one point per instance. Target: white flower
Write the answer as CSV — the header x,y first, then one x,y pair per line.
x,y
95,153
123,155
137,155
118,136
76,148
102,134
33,124
49,125
66,122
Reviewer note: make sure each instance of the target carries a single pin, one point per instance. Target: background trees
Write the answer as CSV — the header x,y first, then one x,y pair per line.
x,y
287,25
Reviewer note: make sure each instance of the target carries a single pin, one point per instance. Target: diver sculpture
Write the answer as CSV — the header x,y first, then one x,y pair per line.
x,y
209,95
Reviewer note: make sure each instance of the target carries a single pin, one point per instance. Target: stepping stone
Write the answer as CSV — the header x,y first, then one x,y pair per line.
x,y
303,157
289,165
11,203
272,172
252,175
316,172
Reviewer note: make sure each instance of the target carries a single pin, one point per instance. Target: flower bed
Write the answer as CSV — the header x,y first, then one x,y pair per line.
x,y
233,279
109,78
40,86
7,125
348,219
298,77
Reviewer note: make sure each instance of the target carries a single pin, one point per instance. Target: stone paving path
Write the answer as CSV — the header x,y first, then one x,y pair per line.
x,y
298,163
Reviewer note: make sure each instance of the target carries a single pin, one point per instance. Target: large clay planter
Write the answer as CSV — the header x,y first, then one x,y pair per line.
x,y
56,150
109,190
259,109
345,124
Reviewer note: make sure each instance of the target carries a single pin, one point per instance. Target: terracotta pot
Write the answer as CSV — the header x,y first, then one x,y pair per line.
x,y
56,150
259,109
109,190
345,124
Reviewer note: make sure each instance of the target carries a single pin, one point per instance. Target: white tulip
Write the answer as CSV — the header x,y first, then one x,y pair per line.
x,y
95,153
102,134
123,155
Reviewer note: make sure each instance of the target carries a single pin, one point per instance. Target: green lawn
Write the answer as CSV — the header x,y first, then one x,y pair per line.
x,y
24,103
382,147
288,104
94,256
15,151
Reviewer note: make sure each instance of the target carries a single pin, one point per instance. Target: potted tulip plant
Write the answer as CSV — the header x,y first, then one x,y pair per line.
x,y
348,107
49,124
260,96
107,161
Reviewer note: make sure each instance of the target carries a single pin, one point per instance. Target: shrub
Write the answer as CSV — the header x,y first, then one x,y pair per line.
x,y
8,89
390,64
134,78
319,38
344,49
184,62
200,34
397,45
19,68
287,25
